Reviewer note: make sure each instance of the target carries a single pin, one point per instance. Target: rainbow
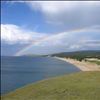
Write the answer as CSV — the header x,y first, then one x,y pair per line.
x,y
52,36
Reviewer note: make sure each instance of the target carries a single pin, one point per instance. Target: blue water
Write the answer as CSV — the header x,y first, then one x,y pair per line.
x,y
17,72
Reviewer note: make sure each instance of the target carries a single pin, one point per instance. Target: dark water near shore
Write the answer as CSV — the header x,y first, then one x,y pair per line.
x,y
17,72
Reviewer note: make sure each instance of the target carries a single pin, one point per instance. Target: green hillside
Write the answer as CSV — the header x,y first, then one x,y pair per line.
x,y
77,86
79,55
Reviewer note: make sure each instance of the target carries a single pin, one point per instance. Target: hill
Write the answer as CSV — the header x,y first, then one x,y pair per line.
x,y
77,86
79,55
31,55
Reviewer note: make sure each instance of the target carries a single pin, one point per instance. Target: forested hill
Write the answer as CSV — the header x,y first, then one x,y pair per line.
x,y
79,55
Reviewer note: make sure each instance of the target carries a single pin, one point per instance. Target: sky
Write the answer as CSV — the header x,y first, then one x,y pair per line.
x,y
26,22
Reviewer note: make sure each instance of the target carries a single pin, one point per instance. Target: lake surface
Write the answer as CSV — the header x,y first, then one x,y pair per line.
x,y
17,72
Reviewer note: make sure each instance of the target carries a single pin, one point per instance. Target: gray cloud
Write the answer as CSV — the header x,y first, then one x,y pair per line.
x,y
92,42
72,14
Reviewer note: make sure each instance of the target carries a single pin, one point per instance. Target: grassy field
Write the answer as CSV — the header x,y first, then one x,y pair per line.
x,y
94,61
77,86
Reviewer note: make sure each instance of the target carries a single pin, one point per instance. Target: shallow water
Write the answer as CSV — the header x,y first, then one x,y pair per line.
x,y
17,72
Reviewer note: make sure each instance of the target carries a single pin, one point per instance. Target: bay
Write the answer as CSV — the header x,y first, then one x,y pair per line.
x,y
17,72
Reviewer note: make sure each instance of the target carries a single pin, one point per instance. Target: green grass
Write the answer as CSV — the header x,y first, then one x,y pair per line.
x,y
77,86
94,61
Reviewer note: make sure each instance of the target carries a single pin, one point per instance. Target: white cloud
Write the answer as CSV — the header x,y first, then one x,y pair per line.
x,y
59,43
11,34
93,45
92,41
54,42
74,47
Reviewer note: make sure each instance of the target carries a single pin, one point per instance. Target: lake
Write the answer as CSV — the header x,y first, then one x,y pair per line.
x,y
20,71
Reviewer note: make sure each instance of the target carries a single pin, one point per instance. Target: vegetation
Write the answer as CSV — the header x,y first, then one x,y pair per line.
x,y
77,86
79,55
82,55
94,61
31,55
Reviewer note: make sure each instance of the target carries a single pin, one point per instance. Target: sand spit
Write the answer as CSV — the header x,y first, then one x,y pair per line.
x,y
84,66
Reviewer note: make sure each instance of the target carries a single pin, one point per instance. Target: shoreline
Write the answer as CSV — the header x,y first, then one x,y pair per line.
x,y
84,66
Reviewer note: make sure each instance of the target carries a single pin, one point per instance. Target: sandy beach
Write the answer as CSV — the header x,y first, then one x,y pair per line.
x,y
84,66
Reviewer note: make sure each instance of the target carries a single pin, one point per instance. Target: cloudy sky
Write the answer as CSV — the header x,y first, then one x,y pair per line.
x,y
27,22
